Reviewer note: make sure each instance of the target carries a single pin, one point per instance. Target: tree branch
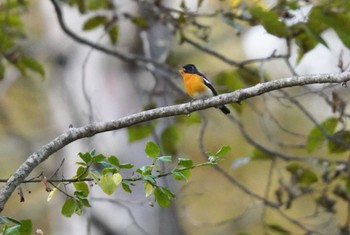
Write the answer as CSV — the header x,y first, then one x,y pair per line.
x,y
89,130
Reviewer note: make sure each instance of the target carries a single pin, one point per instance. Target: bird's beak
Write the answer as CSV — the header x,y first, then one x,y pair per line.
x,y
181,70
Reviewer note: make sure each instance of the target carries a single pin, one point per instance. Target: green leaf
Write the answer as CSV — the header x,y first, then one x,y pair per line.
x,y
343,143
113,33
23,227
316,137
140,22
126,166
110,182
258,154
279,229
152,149
185,162
86,157
139,132
33,65
82,172
339,22
94,22
222,151
68,207
170,139
126,187
114,161
181,175
98,158
163,196
303,174
82,186
270,20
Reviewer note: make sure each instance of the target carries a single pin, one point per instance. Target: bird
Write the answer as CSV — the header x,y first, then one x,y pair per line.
x,y
198,86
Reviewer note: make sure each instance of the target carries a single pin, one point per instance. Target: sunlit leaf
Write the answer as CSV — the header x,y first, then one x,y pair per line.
x,y
110,182
148,188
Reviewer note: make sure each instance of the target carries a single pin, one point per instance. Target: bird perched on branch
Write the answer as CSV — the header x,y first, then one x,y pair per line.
x,y
198,86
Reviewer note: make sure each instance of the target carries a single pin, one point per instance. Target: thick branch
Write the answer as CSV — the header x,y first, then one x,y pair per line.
x,y
89,130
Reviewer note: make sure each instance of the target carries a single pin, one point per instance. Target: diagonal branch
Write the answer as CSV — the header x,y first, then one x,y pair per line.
x,y
92,129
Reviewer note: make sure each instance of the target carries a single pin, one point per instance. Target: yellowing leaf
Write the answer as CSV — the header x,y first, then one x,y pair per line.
x,y
117,178
148,188
53,193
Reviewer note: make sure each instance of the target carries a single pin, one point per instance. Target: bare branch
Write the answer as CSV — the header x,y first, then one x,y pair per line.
x,y
92,129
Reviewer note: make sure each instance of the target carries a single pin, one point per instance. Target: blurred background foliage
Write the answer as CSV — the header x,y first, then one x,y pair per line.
x,y
72,62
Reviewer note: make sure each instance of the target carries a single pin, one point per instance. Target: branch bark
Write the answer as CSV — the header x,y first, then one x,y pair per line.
x,y
89,130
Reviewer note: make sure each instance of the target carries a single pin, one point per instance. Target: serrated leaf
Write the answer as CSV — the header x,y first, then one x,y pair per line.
x,y
316,138
139,132
148,188
343,143
113,33
94,22
152,150
303,174
170,139
68,207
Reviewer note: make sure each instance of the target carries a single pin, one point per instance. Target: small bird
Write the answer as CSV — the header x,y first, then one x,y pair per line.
x,y
198,86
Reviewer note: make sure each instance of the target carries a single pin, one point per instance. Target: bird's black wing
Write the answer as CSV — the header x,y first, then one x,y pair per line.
x,y
208,84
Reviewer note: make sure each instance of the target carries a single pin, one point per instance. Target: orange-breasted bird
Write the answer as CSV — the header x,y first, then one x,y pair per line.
x,y
198,86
